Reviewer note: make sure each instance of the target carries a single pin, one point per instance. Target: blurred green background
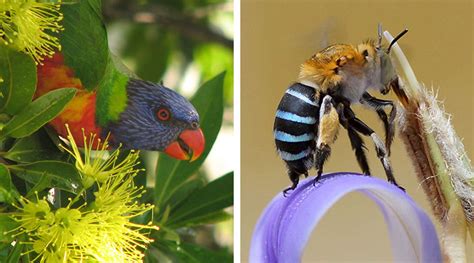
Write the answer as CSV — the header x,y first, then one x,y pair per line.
x,y
182,43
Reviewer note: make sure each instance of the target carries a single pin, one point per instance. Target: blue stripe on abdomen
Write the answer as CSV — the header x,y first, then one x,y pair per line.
x,y
286,137
301,96
295,118
293,157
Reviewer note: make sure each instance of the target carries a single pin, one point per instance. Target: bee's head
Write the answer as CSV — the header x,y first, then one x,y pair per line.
x,y
380,63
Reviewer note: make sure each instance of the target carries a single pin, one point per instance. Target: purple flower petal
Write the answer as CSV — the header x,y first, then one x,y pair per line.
x,y
286,224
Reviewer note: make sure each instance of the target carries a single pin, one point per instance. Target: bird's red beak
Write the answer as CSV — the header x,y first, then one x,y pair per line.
x,y
188,146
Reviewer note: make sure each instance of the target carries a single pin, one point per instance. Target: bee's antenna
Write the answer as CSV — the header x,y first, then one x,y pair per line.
x,y
379,33
396,38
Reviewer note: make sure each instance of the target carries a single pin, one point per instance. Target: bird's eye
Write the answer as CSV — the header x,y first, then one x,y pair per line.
x,y
163,114
194,125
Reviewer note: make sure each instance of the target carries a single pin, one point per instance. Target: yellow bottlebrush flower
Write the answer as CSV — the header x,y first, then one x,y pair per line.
x,y
30,26
115,204
34,214
48,232
99,231
119,191
114,238
97,165
48,253
56,242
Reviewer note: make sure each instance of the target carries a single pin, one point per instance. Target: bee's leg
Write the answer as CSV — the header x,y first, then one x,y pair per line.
x,y
323,151
388,122
359,148
327,133
294,177
356,141
361,127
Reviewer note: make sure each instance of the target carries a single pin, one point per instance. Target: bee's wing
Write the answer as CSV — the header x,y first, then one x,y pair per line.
x,y
326,31
320,37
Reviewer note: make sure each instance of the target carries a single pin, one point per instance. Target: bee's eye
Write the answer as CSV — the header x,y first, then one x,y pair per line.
x,y
365,53
163,114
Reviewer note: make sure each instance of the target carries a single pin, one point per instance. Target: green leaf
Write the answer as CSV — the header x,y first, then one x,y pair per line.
x,y
166,233
210,199
44,183
84,41
185,190
18,72
37,113
63,175
193,253
6,224
190,253
15,253
205,219
173,174
7,189
36,147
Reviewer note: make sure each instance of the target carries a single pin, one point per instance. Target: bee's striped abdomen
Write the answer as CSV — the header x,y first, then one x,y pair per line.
x,y
295,127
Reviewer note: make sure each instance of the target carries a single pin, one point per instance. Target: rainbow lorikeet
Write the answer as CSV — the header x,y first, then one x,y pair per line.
x,y
137,114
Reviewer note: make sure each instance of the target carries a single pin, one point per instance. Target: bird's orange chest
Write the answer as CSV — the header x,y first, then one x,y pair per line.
x,y
80,112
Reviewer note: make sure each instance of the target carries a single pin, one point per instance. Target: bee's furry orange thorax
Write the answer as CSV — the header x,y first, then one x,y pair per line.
x,y
322,67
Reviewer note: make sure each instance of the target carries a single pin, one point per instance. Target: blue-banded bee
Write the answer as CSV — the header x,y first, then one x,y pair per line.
x,y
312,109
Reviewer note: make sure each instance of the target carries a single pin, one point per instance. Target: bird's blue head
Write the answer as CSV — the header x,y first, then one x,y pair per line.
x,y
158,119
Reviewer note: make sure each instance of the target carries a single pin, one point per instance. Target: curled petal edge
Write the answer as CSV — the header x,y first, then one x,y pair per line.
x,y
287,223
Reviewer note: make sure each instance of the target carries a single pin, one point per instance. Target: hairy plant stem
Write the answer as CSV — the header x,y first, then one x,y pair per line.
x,y
440,161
